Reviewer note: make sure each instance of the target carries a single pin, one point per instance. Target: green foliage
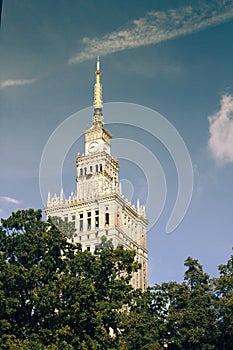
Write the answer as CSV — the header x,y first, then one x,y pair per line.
x,y
195,314
224,304
139,325
55,296
67,228
104,243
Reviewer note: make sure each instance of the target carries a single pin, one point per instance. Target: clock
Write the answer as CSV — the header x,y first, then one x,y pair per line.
x,y
93,147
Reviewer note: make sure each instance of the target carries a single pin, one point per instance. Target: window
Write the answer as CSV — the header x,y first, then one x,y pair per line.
x,y
88,236
89,220
88,248
66,218
85,171
97,218
81,172
96,234
91,169
80,225
80,222
96,168
73,217
100,167
106,219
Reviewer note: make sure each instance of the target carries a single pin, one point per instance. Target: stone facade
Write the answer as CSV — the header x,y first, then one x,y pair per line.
x,y
99,208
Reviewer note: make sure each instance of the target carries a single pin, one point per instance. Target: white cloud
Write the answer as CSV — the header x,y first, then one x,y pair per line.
x,y
221,132
156,27
9,200
15,82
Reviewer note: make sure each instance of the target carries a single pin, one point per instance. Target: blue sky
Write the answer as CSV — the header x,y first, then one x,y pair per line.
x,y
174,57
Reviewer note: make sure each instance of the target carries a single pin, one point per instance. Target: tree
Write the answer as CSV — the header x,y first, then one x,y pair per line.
x,y
224,304
104,243
67,228
183,313
140,327
200,314
53,295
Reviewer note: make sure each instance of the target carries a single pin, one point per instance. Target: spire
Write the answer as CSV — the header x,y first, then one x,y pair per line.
x,y
98,104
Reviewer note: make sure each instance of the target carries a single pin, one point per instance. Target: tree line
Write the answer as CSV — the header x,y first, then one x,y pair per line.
x,y
55,296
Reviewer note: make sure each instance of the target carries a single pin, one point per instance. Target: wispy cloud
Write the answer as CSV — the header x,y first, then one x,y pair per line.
x,y
15,82
9,200
156,27
221,132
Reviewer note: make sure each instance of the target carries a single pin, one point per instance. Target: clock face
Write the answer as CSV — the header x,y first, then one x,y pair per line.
x,y
93,147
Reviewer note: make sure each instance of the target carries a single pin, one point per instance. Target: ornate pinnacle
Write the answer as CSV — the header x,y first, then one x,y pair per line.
x,y
98,104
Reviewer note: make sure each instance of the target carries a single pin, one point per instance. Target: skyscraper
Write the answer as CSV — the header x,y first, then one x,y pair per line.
x,y
99,208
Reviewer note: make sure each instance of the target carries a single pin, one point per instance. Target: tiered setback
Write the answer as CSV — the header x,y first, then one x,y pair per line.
x,y
99,208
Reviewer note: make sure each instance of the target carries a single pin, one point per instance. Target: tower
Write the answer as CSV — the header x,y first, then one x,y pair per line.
x,y
99,208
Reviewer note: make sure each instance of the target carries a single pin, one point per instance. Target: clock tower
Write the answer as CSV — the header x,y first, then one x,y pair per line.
x,y
98,208
97,162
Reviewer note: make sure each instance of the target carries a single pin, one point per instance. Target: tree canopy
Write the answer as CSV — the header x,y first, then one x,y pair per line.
x,y
55,296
